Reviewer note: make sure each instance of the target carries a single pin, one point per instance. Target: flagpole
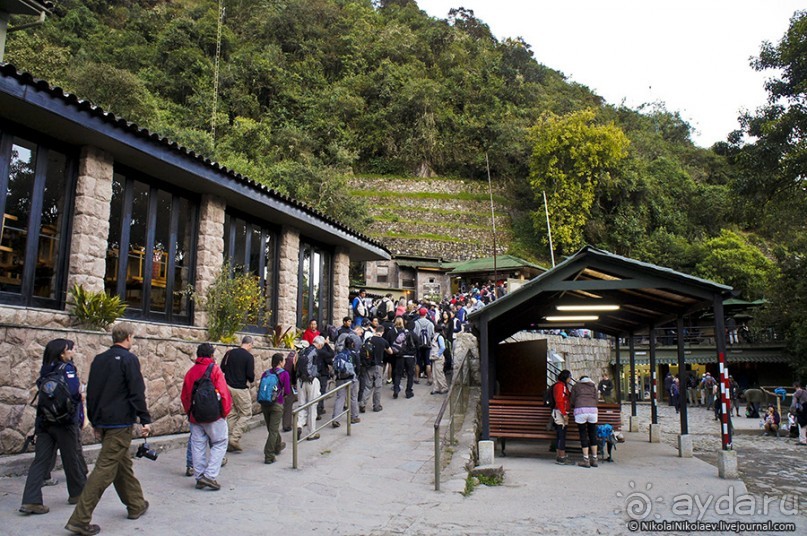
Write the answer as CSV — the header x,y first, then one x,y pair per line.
x,y
549,230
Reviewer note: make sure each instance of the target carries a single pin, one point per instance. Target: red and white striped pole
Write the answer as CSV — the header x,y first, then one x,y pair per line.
x,y
725,401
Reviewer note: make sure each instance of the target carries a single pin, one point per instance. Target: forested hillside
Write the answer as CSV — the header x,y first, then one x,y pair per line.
x,y
312,93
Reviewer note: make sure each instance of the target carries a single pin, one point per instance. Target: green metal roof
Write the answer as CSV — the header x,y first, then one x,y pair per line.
x,y
485,264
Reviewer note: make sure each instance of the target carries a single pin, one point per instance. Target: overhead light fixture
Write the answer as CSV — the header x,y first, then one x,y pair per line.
x,y
584,308
572,318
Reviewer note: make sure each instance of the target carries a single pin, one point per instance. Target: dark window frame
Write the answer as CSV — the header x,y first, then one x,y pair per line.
x,y
144,312
45,144
267,229
323,318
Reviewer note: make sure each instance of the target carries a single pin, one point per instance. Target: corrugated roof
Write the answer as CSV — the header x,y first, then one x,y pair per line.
x,y
130,128
485,264
706,358
25,7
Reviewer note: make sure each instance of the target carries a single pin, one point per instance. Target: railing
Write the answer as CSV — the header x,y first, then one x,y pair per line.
x,y
704,335
457,404
310,404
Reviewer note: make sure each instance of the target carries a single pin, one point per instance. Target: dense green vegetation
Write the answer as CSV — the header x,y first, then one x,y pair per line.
x,y
314,91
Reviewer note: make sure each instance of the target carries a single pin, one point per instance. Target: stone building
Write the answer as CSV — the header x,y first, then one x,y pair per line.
x,y
410,276
88,198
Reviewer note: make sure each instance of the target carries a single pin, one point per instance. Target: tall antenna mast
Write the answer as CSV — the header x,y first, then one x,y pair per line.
x,y
549,230
216,72
493,221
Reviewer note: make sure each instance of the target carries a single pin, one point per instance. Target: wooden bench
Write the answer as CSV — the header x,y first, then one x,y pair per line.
x,y
520,417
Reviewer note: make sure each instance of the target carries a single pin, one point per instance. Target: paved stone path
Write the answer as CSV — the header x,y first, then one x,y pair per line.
x,y
379,481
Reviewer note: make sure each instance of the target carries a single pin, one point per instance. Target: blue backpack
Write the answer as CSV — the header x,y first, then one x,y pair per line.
x,y
343,365
269,388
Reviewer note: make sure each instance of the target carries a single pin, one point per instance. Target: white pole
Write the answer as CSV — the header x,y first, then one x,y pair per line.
x,y
549,230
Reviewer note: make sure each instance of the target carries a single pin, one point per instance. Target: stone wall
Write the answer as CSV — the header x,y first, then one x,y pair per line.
x,y
590,357
410,220
166,353
289,263
341,286
87,262
209,250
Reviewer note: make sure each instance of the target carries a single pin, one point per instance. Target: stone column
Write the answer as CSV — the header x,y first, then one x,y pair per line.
x,y
209,251
288,275
87,262
340,299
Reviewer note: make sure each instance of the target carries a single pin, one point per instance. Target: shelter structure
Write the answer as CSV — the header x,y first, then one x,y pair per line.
x,y
610,294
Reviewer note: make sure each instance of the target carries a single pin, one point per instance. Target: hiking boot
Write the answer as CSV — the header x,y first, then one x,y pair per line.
x,y
336,424
138,515
34,509
319,417
564,460
410,395
200,484
282,446
395,394
267,461
593,462
355,420
50,482
84,530
377,408
416,381
189,471
312,438
73,500
362,409
584,463
234,447
224,461
209,482
287,429
299,432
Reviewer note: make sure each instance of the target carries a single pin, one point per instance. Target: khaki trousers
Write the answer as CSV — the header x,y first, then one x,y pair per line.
x,y
239,415
114,466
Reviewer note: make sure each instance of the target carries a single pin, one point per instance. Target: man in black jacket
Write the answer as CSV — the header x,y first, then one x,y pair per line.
x,y
116,400
238,366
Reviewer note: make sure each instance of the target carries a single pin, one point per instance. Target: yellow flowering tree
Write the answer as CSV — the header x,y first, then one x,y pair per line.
x,y
572,155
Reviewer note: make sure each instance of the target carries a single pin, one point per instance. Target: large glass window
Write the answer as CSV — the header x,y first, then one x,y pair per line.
x,y
251,246
155,229
36,185
314,291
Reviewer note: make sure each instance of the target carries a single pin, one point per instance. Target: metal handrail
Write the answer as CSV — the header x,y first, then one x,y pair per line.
x,y
456,400
295,440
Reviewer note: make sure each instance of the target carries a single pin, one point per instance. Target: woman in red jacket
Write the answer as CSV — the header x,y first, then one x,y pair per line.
x,y
206,429
560,413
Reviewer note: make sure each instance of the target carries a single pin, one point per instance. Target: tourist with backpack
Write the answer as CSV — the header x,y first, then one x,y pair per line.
x,y
345,367
374,351
424,334
116,401
238,366
308,386
206,400
359,308
438,361
59,417
403,350
558,400
273,389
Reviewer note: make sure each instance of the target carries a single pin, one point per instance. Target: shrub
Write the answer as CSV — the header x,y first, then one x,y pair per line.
x,y
95,310
233,301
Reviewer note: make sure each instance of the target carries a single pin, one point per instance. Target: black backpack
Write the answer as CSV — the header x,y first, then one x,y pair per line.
x,y
425,342
205,400
381,311
55,405
367,353
549,396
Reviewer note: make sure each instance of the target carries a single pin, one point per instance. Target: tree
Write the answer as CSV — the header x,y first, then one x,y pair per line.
x,y
572,156
730,259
